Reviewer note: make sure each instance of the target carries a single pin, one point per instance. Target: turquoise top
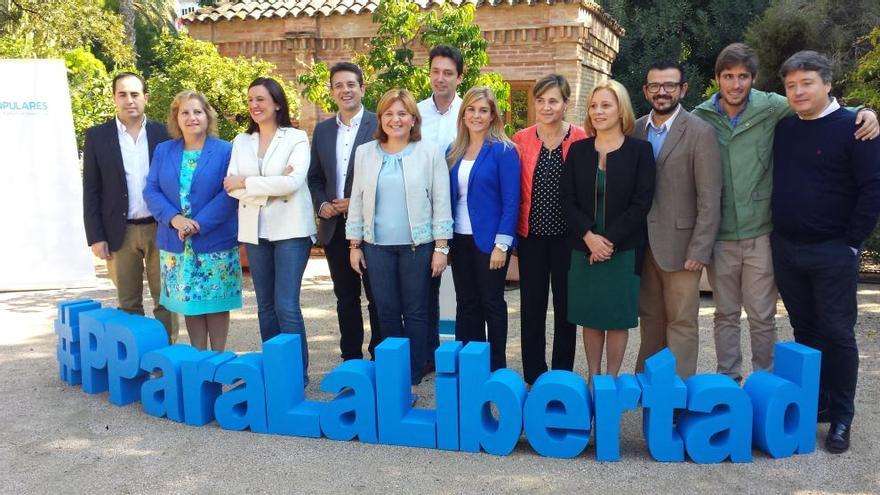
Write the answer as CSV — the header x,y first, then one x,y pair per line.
x,y
391,221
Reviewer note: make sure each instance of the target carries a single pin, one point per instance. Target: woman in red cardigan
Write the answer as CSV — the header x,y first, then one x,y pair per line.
x,y
544,253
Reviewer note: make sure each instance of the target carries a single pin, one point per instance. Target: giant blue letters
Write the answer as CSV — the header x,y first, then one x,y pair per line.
x,y
400,424
478,388
108,350
557,414
662,392
785,402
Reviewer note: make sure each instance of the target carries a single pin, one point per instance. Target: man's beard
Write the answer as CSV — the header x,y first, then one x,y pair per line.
x,y
665,111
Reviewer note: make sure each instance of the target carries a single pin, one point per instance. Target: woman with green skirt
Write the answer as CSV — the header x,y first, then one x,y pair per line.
x,y
607,187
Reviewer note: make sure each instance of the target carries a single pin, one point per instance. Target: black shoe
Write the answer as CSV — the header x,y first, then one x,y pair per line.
x,y
837,441
824,416
428,368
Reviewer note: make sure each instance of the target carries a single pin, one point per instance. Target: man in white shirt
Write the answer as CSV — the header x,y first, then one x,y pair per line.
x,y
119,227
439,125
330,176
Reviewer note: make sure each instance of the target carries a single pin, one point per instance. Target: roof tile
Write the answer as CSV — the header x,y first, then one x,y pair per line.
x,y
282,8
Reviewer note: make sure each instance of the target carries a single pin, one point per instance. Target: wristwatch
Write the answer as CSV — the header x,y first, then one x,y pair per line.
x,y
502,247
442,249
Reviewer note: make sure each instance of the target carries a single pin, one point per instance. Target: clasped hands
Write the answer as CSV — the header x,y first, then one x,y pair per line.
x,y
186,227
334,207
600,248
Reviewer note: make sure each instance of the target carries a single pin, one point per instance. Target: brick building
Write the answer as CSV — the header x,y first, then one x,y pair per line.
x,y
527,40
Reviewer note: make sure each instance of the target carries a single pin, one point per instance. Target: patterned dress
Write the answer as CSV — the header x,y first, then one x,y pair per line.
x,y
198,283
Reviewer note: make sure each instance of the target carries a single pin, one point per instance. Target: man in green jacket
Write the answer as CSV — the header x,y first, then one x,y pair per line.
x,y
741,272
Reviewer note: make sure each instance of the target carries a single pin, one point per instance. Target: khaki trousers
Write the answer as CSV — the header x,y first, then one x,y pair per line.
x,y
741,276
126,268
669,305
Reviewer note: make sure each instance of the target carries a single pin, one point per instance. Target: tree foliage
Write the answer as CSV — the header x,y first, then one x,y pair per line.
x,y
864,85
91,96
864,82
388,62
690,31
184,63
826,26
144,18
51,28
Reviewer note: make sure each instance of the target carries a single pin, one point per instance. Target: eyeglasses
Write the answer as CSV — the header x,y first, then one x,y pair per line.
x,y
668,86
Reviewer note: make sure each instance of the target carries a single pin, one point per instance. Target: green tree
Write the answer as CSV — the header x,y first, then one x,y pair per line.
x,y
864,88
690,31
144,18
388,62
91,96
826,26
185,63
51,28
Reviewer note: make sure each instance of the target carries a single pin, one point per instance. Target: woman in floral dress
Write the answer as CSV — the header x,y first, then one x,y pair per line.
x,y
197,235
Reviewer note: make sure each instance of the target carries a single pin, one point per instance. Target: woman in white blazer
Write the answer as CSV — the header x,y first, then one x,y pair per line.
x,y
276,220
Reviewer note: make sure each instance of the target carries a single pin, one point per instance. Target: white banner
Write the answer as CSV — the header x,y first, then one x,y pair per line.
x,y
43,242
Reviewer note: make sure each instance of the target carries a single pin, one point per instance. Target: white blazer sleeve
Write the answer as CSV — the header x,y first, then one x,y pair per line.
x,y
239,147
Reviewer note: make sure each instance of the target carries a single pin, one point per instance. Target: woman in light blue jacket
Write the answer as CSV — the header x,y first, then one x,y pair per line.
x,y
399,221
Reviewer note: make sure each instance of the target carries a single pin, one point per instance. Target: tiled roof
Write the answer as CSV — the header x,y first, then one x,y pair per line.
x,y
263,9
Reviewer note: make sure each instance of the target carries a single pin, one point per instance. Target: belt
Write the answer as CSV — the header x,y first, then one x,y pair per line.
x,y
141,221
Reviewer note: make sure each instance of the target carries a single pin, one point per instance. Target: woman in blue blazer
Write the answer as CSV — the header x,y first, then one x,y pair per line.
x,y
198,228
484,180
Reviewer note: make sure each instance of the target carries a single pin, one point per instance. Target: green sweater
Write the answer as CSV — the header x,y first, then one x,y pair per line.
x,y
746,163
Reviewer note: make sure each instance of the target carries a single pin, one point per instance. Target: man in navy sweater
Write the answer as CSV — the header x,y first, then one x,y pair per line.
x,y
826,201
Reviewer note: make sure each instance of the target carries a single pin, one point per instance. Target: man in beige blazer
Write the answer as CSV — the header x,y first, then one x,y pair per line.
x,y
683,220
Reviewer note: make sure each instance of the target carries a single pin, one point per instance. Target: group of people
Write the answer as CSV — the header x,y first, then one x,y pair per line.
x,y
619,217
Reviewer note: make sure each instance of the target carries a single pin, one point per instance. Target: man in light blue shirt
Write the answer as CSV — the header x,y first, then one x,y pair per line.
x,y
439,125
683,220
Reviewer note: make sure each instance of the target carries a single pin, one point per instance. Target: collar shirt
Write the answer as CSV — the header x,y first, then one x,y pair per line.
x,y
716,100
657,135
439,128
345,136
136,162
832,107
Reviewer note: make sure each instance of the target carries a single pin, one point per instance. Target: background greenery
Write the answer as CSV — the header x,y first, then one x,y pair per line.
x,y
388,63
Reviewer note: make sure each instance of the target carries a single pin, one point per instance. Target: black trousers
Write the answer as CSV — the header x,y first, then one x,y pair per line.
x,y
347,287
818,284
433,339
544,261
479,298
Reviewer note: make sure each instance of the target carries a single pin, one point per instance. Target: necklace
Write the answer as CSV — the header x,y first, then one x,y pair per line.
x,y
553,142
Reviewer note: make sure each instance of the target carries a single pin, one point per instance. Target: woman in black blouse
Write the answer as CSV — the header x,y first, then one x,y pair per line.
x,y
607,188
543,249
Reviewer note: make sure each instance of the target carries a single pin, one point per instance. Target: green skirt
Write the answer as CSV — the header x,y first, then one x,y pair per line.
x,y
604,296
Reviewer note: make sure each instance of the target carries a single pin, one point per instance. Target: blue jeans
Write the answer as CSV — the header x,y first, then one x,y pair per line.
x,y
399,278
277,269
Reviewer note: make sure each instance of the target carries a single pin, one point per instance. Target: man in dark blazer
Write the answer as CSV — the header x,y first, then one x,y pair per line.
x,y
683,220
330,176
119,226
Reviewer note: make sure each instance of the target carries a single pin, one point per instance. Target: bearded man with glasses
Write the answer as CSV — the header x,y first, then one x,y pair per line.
x,y
683,220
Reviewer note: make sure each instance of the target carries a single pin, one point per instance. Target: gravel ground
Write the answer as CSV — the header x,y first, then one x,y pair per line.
x,y
61,440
